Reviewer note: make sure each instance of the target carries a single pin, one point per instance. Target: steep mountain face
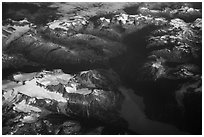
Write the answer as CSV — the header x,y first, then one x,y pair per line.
x,y
102,68
34,97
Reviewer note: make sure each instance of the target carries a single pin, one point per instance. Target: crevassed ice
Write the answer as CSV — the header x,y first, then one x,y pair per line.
x,y
23,107
31,89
